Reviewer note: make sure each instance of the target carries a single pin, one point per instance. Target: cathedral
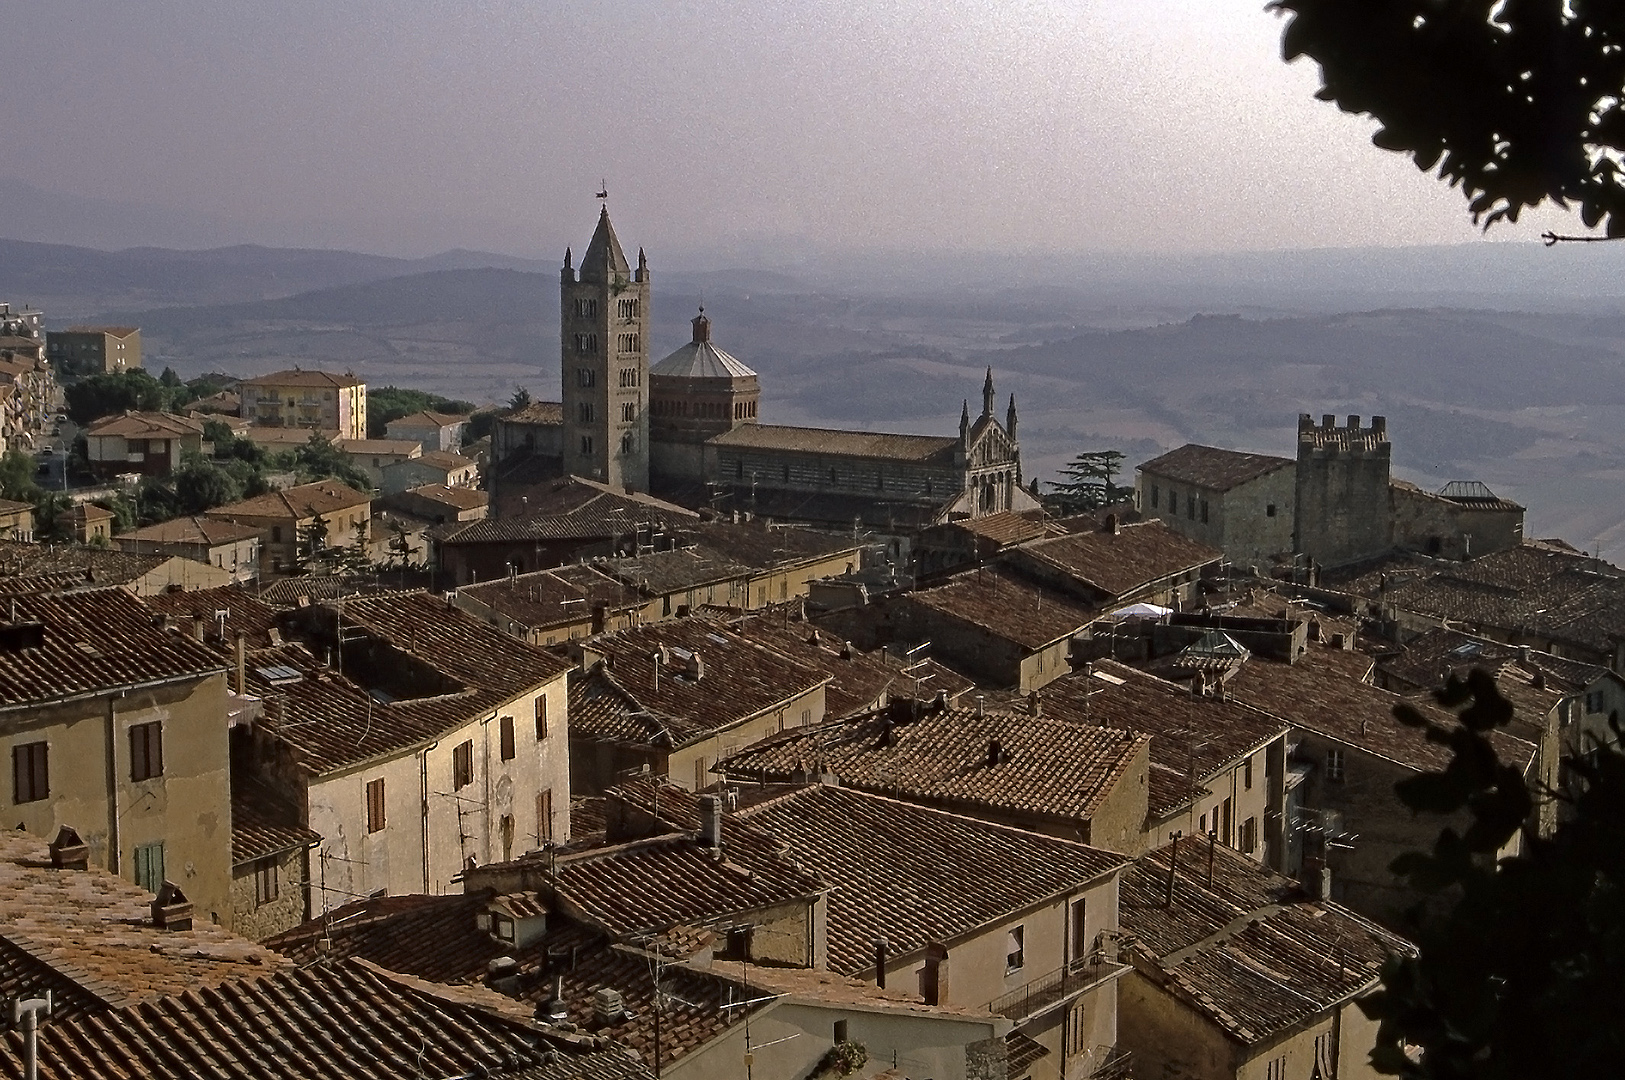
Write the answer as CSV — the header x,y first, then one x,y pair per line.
x,y
687,428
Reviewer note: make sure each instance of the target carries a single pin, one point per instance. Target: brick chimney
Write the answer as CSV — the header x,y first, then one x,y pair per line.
x,y
68,851
934,977
710,822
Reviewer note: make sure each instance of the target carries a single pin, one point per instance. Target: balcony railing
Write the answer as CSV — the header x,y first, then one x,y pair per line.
x,y
1051,989
1109,1063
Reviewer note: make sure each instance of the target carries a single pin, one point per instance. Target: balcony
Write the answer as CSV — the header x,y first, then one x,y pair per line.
x,y
1058,986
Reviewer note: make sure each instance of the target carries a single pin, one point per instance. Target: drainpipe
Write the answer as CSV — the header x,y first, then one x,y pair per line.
x,y
485,752
423,773
112,786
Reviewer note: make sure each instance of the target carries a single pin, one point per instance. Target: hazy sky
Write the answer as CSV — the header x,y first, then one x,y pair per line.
x,y
410,126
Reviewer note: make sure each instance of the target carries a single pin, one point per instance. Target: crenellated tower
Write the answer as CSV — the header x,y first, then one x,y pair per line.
x,y
604,362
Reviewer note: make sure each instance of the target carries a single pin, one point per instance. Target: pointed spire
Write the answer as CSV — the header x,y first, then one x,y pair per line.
x,y
1010,418
567,258
643,267
604,258
988,394
964,421
702,327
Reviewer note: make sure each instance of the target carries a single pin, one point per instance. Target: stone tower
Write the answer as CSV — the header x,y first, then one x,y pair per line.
x,y
1342,510
604,363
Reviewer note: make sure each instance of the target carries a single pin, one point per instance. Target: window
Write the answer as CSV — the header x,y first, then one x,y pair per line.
x,y
1204,511
1334,766
506,725
586,343
839,1032
1015,953
505,827
276,534
806,718
375,806
629,378
1324,1065
586,444
502,925
1247,774
146,751
1154,493
1276,1070
584,411
1202,827
1078,931
149,866
265,882
1190,507
541,717
1269,510
1226,822
586,309
1249,835
30,776
738,944
627,309
1077,1029
462,765
544,817
586,377
627,343
629,411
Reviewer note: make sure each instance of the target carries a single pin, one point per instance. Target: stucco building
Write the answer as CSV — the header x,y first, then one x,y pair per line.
x,y
148,443
316,400
288,521
95,349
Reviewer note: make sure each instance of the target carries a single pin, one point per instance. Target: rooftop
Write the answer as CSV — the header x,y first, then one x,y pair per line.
x,y
914,874
301,377
1007,606
409,448
1119,561
116,331
427,418
146,425
921,449
669,684
306,500
562,596
571,509
1050,768
1212,468
459,497
537,412
88,565
1245,948
444,459
244,612
54,646
192,530
1429,659
262,823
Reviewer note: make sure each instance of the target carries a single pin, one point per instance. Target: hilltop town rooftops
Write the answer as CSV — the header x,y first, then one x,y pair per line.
x,y
536,412
1213,468
1250,952
914,874
460,497
244,613
428,417
443,459
306,500
563,595
1429,659
674,683
54,646
1006,527
90,565
570,509
96,930
1119,561
302,377
923,449
1007,606
701,360
146,425
1051,768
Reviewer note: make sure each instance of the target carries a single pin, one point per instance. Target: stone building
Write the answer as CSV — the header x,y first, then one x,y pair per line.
x,y
1241,504
604,363
695,393
1342,489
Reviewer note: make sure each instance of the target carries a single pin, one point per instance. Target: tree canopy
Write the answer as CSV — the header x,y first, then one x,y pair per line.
x,y
1524,975
389,403
1513,101
1087,481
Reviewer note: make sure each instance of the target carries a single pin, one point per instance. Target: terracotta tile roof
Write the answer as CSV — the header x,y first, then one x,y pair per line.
x,y
1050,768
1429,659
1007,606
1249,951
1022,1052
444,459
662,572
460,497
1117,696
301,377
1324,692
857,680
344,1019
1006,528
407,448
428,417
306,500
192,530
642,700
1118,563
96,929
262,823
87,641
146,425
568,510
435,937
562,596
652,875
1212,468
924,449
915,874
23,975
95,566
537,412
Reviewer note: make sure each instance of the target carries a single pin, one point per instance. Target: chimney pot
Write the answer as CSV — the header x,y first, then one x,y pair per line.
x,y
607,1006
171,910
711,822
502,975
995,752
68,851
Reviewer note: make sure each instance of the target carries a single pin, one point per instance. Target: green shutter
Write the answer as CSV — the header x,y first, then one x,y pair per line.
x,y
149,866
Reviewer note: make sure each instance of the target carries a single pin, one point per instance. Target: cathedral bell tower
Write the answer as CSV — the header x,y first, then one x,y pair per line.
x,y
604,363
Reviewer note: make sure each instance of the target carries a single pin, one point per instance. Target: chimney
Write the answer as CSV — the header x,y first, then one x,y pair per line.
x,y
171,910
502,975
242,663
880,961
554,1010
981,704
1035,706
197,627
711,822
600,617
995,752
934,979
68,852
1539,681
607,1006
1112,525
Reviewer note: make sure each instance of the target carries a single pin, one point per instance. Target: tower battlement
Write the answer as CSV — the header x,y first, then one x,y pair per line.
x,y
1347,439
